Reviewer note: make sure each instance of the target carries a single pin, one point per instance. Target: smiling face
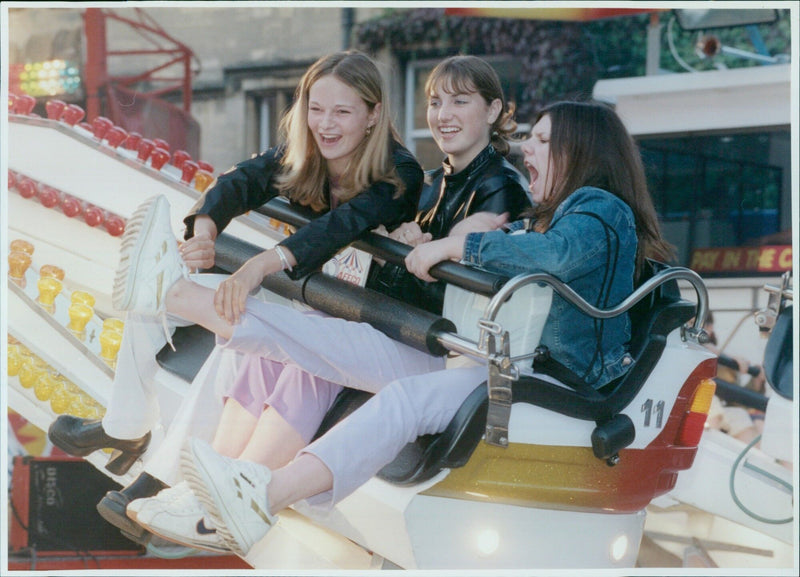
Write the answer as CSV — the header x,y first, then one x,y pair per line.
x,y
338,118
538,160
460,123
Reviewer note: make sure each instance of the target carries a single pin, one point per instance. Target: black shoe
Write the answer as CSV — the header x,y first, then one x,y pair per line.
x,y
81,437
113,506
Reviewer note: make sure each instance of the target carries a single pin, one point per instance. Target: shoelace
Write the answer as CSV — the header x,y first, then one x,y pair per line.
x,y
162,314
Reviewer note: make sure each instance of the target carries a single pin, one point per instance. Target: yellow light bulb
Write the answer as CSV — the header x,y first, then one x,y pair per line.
x,y
110,341
44,386
60,401
49,289
30,371
79,316
21,246
113,324
14,360
18,263
82,297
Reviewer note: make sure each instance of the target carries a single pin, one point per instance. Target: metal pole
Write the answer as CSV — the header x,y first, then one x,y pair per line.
x,y
653,65
94,26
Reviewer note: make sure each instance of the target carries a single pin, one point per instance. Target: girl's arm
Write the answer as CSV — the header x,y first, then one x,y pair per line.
x,y
316,242
420,260
245,187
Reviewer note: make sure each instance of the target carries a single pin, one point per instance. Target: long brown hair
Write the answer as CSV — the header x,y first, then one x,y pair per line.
x,y
590,146
305,170
464,74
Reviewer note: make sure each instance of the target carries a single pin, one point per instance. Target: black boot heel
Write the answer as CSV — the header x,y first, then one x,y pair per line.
x,y
121,461
81,437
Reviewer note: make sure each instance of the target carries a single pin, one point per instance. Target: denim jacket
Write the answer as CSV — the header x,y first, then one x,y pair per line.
x,y
590,246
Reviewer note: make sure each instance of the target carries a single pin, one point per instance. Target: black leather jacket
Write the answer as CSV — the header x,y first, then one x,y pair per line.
x,y
489,183
251,183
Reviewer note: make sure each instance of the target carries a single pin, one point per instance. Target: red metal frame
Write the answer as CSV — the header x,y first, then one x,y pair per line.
x,y
98,53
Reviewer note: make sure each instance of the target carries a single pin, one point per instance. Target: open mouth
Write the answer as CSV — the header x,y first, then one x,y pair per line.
x,y
329,139
449,130
532,172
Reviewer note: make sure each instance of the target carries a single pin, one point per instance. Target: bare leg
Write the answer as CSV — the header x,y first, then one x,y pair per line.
x,y
274,443
304,477
236,426
195,303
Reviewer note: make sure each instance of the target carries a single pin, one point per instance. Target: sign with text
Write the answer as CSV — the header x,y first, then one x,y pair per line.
x,y
744,259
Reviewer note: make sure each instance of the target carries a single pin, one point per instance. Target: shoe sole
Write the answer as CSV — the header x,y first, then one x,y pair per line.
x,y
185,541
197,479
136,229
114,512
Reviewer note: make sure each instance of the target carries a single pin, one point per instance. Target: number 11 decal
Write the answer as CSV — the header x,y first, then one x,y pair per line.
x,y
647,409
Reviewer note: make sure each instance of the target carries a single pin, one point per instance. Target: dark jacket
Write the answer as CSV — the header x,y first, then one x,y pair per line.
x,y
488,184
251,183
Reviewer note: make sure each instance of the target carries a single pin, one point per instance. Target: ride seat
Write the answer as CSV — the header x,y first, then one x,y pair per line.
x,y
652,320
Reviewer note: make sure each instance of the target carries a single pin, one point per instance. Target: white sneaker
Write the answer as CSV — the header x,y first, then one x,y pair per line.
x,y
234,493
149,261
162,498
182,520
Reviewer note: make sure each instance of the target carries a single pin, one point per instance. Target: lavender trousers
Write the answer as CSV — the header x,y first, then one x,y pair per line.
x,y
371,437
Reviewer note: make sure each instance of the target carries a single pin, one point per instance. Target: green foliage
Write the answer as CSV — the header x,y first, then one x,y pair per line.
x,y
557,59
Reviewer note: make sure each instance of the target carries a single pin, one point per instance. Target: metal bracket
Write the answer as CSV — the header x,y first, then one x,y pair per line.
x,y
502,374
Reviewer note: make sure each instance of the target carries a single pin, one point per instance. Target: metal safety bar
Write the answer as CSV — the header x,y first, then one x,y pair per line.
x,y
502,371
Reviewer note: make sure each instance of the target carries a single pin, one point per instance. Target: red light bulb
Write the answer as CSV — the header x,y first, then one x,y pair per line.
x,y
188,170
73,114
24,104
179,157
49,196
27,188
115,225
161,143
100,126
116,136
205,166
158,158
71,206
145,149
93,216
55,108
133,140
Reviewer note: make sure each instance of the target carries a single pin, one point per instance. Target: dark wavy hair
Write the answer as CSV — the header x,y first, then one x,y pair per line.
x,y
590,146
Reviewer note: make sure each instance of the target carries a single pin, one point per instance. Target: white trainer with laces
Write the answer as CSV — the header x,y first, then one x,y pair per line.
x,y
182,520
162,498
234,493
149,261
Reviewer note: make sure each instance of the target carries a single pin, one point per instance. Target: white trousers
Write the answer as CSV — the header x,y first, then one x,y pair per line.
x,y
347,353
133,407
350,354
371,437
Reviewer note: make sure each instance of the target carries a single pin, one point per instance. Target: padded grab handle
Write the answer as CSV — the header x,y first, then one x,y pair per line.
x,y
470,278
402,322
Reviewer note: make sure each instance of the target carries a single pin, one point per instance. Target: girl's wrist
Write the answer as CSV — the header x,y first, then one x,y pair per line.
x,y
454,247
